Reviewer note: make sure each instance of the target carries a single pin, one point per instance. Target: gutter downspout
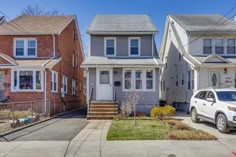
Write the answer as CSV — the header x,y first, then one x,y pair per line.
x,y
54,45
45,90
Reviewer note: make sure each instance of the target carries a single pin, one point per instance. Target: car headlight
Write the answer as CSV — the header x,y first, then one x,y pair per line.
x,y
232,108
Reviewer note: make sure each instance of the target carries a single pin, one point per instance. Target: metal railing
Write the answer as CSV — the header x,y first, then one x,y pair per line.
x,y
90,98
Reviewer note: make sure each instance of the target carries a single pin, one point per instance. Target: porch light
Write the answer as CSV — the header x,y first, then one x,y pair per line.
x,y
225,70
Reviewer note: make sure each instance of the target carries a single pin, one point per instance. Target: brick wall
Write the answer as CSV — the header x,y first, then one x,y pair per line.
x,y
65,47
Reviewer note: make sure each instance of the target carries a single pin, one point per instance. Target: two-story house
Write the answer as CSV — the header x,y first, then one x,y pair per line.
x,y
198,52
40,58
122,58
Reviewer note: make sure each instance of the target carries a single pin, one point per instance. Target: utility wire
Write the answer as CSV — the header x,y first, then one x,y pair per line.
x,y
14,23
216,24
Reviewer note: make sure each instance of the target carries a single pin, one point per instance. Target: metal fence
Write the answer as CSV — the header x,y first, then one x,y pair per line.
x,y
16,114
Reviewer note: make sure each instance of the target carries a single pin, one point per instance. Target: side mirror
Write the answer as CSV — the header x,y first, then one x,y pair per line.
x,y
210,99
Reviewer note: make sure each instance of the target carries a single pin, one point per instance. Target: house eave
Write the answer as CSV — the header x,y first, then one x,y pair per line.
x,y
120,33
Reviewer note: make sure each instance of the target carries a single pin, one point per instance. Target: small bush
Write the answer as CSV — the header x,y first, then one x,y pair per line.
x,y
181,126
161,112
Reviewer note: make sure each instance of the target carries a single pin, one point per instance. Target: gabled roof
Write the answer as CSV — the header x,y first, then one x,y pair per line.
x,y
36,25
121,24
204,22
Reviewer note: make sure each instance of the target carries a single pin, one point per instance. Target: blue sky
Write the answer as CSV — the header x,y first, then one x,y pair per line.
x,y
156,9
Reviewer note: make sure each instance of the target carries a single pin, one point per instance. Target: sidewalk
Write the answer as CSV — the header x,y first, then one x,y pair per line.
x,y
91,142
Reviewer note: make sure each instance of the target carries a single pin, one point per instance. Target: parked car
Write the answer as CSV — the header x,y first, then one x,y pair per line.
x,y
217,106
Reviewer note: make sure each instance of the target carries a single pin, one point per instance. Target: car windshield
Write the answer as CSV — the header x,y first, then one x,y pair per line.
x,y
226,95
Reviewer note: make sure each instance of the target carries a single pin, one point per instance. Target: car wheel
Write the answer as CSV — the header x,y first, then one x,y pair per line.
x,y
221,123
194,117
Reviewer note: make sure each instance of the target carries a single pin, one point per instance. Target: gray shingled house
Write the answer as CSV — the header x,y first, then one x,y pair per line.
x,y
122,58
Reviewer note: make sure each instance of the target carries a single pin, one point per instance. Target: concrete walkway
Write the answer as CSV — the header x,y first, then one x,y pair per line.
x,y
91,142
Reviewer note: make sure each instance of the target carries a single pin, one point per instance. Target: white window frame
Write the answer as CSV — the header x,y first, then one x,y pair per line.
x,y
105,45
139,46
64,82
73,87
230,54
223,40
17,89
25,47
212,46
54,73
133,79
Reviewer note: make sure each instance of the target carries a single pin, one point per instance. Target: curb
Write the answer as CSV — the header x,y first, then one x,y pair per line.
x,y
29,125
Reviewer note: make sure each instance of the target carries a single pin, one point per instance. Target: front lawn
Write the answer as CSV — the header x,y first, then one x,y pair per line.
x,y
149,129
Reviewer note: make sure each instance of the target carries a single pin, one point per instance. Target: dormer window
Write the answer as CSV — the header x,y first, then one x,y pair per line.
x,y
134,46
25,47
110,46
207,46
219,46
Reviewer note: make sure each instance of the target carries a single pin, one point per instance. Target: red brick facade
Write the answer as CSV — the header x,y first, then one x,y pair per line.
x,y
66,46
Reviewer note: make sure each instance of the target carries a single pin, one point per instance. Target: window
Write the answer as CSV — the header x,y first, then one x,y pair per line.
x,y
104,77
134,46
219,46
138,79
201,95
54,81
64,83
27,80
182,80
73,60
73,86
189,79
230,46
207,46
127,78
25,47
149,79
110,46
211,95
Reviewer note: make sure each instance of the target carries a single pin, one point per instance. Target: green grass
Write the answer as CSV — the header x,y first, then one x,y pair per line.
x,y
149,129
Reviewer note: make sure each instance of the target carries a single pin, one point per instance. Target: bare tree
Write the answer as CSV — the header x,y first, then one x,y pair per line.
x,y
37,11
129,104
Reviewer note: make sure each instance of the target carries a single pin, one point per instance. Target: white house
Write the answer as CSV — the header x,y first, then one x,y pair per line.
x,y
199,52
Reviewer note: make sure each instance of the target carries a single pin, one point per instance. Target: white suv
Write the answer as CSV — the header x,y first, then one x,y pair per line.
x,y
215,105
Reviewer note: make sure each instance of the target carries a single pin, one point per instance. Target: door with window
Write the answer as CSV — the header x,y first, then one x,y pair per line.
x,y
104,88
214,79
2,77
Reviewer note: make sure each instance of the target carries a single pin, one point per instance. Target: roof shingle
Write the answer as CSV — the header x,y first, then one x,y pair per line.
x,y
35,25
204,22
121,23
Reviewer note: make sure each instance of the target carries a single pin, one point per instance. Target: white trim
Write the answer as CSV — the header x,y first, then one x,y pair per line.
x,y
73,85
119,33
8,60
25,47
52,81
64,80
123,66
105,45
144,79
34,80
139,46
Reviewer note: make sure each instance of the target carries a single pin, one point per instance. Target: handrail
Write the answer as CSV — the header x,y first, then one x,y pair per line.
x,y
114,95
90,98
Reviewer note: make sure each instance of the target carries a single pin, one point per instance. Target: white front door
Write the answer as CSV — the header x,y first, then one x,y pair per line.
x,y
214,79
104,88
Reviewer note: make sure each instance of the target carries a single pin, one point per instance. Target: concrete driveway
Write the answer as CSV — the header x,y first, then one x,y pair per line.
x,y
63,128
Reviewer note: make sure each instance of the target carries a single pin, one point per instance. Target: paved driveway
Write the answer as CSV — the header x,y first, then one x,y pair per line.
x,y
63,128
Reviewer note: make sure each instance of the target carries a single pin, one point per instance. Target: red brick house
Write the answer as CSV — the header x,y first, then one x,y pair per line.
x,y
40,58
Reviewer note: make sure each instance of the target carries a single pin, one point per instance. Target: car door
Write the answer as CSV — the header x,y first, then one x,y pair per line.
x,y
199,101
210,107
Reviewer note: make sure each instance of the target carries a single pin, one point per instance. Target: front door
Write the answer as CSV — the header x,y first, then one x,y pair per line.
x,y
214,79
104,88
2,77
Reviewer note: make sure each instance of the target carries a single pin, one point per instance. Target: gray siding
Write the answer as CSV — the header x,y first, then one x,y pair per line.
x,y
122,45
149,98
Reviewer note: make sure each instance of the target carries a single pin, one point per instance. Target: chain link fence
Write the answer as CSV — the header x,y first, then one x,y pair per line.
x,y
17,114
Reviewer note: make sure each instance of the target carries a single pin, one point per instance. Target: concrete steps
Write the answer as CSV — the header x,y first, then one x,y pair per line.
x,y
102,110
